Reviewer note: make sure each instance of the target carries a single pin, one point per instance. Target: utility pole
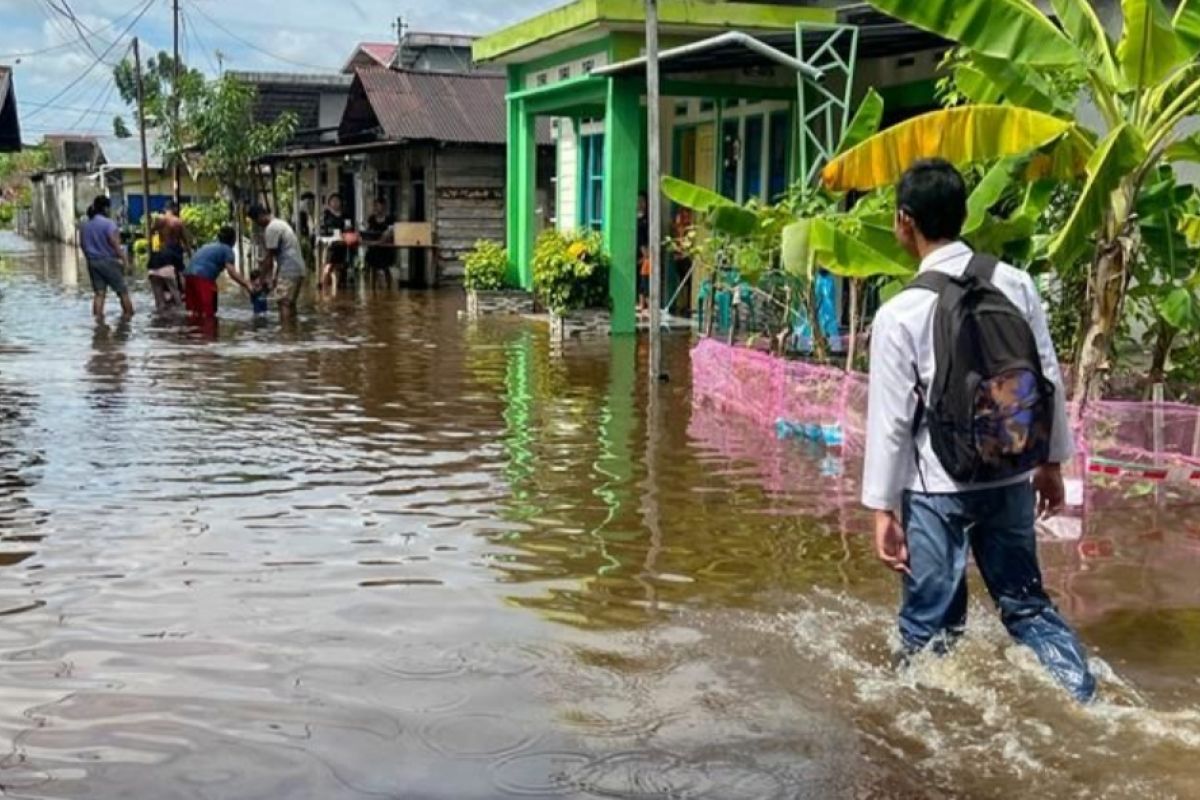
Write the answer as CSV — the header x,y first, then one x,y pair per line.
x,y
137,71
654,195
178,149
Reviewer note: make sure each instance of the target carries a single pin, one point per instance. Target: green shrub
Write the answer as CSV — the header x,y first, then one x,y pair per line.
x,y
203,220
485,266
570,271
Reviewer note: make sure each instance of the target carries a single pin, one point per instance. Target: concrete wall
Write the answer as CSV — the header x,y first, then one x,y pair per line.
x,y
58,201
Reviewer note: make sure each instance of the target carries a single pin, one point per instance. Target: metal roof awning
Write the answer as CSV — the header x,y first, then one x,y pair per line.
x,y
727,50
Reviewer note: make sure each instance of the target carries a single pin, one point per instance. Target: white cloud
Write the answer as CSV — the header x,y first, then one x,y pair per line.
x,y
319,33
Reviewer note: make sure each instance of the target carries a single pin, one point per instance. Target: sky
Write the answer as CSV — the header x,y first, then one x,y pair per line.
x,y
61,87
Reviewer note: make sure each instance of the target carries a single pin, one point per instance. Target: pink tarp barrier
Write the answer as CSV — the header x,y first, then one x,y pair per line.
x,y
1157,442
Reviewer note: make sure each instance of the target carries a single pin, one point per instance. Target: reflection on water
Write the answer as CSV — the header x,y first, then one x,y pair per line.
x,y
385,552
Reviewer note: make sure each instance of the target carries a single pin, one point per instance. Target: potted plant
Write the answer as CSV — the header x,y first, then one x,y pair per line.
x,y
570,278
485,269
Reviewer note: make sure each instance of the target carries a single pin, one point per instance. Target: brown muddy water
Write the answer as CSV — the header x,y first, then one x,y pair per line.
x,y
383,553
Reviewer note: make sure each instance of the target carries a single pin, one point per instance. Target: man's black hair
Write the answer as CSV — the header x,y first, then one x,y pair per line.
x,y
257,210
101,205
934,195
227,236
335,194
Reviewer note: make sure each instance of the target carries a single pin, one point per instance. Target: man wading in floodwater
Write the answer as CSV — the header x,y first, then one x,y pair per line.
x,y
966,429
101,243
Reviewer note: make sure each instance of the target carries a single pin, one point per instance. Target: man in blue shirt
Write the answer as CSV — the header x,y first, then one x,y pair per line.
x,y
101,242
200,277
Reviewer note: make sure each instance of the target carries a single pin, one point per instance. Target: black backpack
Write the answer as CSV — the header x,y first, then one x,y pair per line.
x,y
990,409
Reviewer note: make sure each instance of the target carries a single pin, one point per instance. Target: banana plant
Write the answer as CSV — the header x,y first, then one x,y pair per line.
x,y
1144,85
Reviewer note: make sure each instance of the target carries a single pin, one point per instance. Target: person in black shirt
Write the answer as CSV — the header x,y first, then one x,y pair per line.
x,y
380,257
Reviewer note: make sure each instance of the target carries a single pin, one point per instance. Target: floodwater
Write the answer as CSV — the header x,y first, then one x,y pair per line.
x,y
385,553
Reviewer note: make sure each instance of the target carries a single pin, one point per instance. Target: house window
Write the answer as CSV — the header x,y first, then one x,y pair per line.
x,y
730,156
564,73
542,79
588,66
778,157
591,153
752,169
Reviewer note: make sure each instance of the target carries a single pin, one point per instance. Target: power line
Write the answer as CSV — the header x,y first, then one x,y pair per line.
x,y
255,47
69,15
97,107
98,61
66,108
201,45
64,45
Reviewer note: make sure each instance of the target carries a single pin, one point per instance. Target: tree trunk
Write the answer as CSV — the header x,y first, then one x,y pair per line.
x,y
1109,278
1163,343
853,340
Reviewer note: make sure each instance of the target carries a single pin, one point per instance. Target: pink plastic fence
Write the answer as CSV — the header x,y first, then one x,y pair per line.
x,y
1145,440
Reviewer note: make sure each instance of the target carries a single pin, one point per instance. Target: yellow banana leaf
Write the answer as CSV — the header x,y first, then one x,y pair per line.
x,y
960,135
1120,153
1189,226
1149,49
1079,20
1010,29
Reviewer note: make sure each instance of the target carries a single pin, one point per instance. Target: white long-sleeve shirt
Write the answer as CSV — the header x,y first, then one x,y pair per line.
x,y
902,336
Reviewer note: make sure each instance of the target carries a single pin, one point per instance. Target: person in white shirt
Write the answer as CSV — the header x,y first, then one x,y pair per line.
x,y
924,520
283,263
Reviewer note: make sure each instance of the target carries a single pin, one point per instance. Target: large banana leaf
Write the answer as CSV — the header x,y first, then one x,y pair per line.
x,y
879,233
818,240
1149,49
689,195
1185,149
733,221
1181,309
1019,85
724,215
976,86
1120,153
988,192
995,235
1010,29
866,122
848,256
1080,22
796,252
1187,23
960,135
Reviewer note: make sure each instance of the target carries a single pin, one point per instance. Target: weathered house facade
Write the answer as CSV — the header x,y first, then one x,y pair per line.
x,y
430,145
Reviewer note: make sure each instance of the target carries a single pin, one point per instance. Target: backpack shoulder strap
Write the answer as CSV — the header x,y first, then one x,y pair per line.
x,y
930,280
982,266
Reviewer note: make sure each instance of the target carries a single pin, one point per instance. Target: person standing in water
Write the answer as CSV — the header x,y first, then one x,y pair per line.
x,y
166,268
283,265
101,243
954,464
200,277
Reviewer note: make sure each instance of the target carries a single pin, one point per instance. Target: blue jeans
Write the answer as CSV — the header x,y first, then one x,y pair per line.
x,y
997,524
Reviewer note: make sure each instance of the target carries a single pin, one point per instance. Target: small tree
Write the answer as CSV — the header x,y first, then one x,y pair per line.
x,y
230,141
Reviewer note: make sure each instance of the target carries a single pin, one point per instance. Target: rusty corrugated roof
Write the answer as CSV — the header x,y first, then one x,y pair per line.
x,y
465,108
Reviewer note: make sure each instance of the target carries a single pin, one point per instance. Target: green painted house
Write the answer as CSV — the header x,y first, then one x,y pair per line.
x,y
752,94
